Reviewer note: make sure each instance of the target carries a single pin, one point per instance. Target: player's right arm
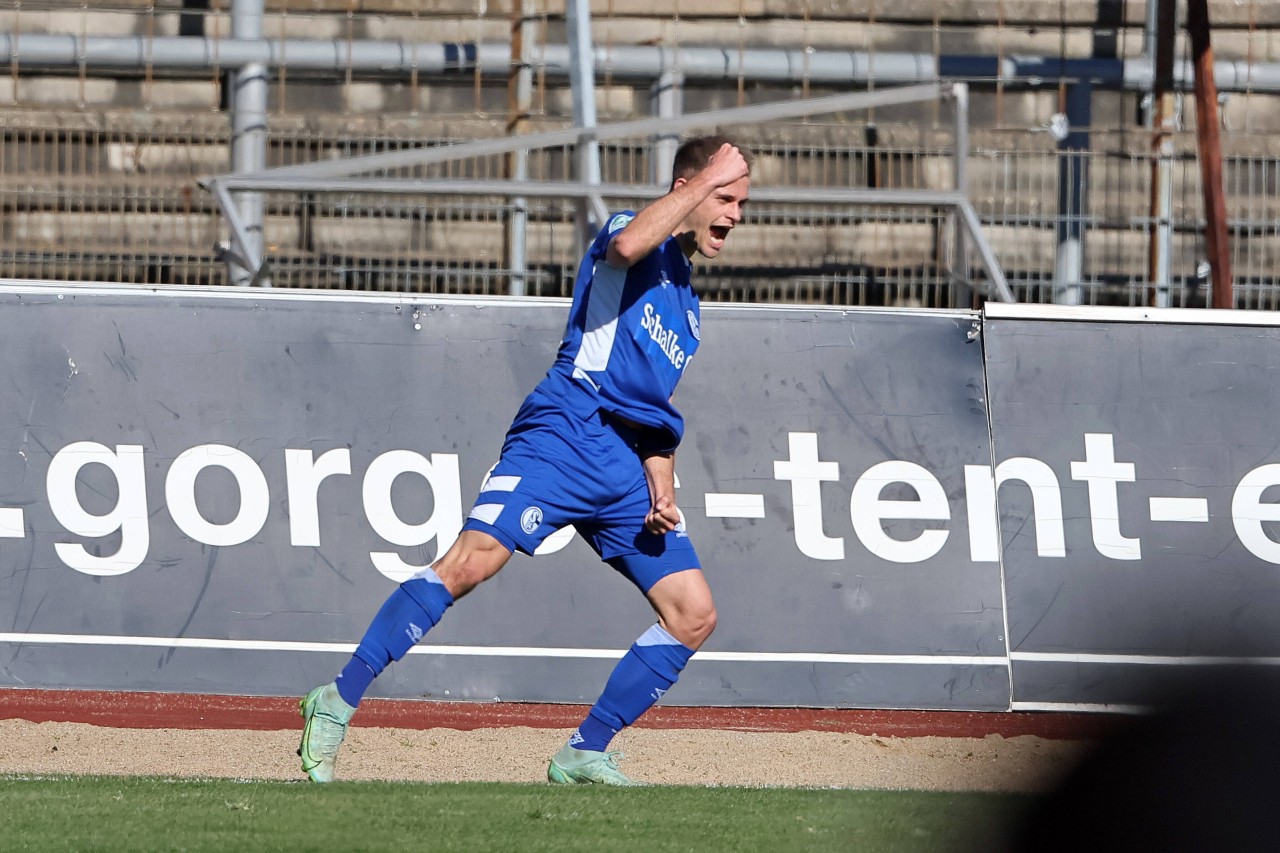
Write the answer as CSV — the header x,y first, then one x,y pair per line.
x,y
659,472
659,220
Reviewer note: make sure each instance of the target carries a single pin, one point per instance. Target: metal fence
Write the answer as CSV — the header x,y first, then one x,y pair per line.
x,y
99,165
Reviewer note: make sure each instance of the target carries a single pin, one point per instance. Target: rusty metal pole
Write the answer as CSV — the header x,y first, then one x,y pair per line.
x,y
1161,32
1215,205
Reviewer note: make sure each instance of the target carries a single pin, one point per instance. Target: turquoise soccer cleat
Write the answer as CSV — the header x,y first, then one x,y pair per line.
x,y
572,766
326,717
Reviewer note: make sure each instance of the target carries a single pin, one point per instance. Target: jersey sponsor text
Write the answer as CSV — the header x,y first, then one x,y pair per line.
x,y
668,340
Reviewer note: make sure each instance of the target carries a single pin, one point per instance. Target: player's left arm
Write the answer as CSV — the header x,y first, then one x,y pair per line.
x,y
660,473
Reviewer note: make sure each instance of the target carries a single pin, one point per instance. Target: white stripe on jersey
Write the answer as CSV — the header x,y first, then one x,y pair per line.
x,y
578,373
500,484
604,302
488,513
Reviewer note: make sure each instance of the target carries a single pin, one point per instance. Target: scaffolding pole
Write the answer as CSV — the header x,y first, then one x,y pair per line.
x,y
249,140
592,212
1210,144
519,105
666,100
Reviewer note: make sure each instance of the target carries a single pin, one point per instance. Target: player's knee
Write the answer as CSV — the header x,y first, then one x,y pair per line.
x,y
707,621
461,573
467,564
693,625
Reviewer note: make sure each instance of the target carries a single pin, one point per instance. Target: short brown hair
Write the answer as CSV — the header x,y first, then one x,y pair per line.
x,y
694,154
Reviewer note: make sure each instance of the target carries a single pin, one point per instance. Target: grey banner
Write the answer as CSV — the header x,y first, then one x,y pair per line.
x,y
214,490
1139,470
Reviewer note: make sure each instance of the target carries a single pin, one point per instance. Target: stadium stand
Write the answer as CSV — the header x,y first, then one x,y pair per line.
x,y
100,161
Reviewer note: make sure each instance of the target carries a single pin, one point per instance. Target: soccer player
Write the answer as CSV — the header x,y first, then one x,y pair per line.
x,y
593,446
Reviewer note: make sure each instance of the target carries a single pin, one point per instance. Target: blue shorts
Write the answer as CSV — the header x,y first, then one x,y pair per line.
x,y
560,468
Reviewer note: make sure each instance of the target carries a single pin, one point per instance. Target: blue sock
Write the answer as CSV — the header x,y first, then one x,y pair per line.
x,y
354,680
408,614
646,671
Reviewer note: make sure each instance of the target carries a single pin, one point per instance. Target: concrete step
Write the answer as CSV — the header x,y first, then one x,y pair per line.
x,y
109,163
118,230
62,92
886,244
1121,251
948,26
880,244
1037,12
54,196
94,165
113,266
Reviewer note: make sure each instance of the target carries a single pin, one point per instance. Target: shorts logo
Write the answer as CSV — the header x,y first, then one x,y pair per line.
x,y
693,325
531,519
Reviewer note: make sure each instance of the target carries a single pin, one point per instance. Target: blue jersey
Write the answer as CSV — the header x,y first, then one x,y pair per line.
x,y
573,453
631,333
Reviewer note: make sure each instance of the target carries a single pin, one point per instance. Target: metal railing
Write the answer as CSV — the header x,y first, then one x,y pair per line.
x,y
395,175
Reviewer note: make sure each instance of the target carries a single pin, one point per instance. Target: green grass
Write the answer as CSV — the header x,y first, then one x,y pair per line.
x,y
129,813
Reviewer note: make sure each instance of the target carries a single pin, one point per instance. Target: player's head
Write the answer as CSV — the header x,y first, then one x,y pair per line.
x,y
707,227
694,154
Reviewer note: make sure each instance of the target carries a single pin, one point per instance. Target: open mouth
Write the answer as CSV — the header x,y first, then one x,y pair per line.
x,y
719,233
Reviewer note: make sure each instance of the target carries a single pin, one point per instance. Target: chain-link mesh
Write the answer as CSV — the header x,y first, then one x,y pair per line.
x,y
99,166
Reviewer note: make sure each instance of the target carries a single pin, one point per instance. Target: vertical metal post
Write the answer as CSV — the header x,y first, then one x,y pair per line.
x,y
1073,192
666,100
1210,144
1160,34
249,137
591,214
519,104
960,176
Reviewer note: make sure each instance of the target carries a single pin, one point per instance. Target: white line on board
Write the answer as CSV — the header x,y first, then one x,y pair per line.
x,y
494,651
1144,660
552,652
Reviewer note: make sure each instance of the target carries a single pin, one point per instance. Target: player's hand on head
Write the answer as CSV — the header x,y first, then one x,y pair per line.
x,y
727,165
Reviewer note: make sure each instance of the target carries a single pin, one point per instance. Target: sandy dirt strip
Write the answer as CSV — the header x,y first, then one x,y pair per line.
x,y
519,754
246,737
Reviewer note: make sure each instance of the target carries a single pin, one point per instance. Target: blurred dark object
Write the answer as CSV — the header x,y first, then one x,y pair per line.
x,y
1200,773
